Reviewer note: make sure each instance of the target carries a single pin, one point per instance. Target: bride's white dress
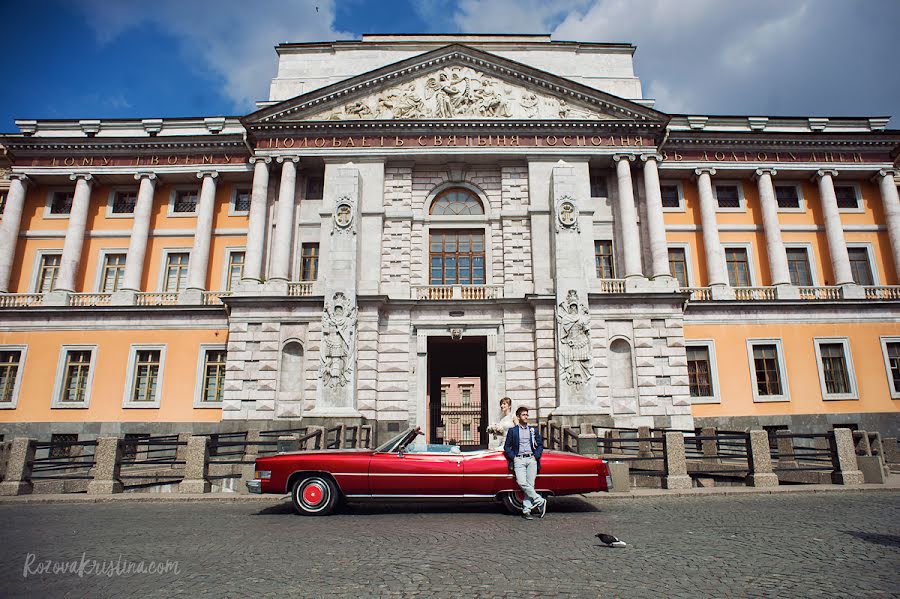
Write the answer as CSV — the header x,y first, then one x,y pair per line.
x,y
506,423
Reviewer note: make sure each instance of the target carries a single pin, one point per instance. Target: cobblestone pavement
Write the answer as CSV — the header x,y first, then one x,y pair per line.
x,y
785,545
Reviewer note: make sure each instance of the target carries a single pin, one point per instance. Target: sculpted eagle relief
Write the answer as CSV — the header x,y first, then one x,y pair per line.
x,y
459,92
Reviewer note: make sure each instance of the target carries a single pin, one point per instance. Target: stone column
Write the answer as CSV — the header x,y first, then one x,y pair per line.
x,y
778,265
199,261
107,464
656,227
676,463
71,255
9,228
256,232
137,246
837,245
760,461
715,256
284,223
196,467
891,213
631,245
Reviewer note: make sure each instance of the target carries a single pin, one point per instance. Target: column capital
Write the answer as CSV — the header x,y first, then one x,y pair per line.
x,y
892,173
628,157
210,174
765,171
258,159
705,170
823,172
86,177
648,157
145,175
282,159
21,178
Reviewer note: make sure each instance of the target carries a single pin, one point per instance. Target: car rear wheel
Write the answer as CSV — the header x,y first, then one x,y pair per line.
x,y
314,495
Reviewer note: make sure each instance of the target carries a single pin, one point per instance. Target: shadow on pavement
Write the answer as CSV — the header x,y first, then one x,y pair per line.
x,y
876,538
560,505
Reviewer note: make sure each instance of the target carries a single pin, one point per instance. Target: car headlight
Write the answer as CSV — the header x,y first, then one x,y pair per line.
x,y
263,474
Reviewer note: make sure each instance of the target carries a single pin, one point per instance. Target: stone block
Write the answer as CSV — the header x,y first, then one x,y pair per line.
x,y
19,463
107,463
196,468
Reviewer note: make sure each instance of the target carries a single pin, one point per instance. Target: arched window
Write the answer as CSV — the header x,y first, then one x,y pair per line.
x,y
456,201
621,374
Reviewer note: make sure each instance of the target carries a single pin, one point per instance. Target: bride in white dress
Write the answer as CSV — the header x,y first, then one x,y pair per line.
x,y
498,431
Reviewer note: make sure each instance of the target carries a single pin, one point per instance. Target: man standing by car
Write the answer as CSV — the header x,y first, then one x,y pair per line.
x,y
523,449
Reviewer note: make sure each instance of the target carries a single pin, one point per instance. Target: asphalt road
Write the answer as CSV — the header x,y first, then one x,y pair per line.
x,y
786,545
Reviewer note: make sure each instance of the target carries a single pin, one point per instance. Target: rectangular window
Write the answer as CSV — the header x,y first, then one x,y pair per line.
x,y
699,371
113,272
678,266
860,266
738,267
892,362
670,196
728,196
176,272
788,197
235,269
603,259
241,200
213,375
847,199
144,386
834,368
309,261
124,202
467,432
457,257
315,188
767,370
10,361
61,445
798,266
76,372
598,185
47,273
185,201
61,202
466,396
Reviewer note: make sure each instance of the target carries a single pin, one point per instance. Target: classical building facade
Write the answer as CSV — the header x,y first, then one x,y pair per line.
x,y
408,214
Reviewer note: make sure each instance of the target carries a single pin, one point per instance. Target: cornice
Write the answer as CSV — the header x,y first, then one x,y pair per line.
x,y
26,146
538,127
679,140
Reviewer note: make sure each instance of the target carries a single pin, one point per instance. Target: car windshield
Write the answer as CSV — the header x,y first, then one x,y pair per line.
x,y
393,443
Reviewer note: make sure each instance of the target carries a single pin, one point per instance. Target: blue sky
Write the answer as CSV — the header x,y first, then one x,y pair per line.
x,y
137,59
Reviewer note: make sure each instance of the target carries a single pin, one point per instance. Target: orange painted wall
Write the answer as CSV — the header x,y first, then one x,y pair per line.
x,y
179,375
736,380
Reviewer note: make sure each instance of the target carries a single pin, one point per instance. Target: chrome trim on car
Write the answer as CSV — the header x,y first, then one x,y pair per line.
x,y
419,496
254,486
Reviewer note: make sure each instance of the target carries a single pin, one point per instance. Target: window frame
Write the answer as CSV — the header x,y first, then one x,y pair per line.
x,y
226,268
742,199
445,190
682,206
751,260
127,401
56,398
161,285
111,199
200,376
232,200
17,385
895,394
860,206
49,200
710,346
848,362
173,194
98,276
810,258
36,269
682,245
485,230
801,199
870,254
782,371
612,258
300,270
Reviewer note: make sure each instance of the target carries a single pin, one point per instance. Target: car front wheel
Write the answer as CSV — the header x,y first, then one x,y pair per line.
x,y
314,496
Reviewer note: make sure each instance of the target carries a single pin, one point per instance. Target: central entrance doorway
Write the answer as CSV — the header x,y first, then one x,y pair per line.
x,y
457,391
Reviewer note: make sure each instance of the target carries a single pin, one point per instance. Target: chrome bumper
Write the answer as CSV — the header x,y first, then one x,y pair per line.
x,y
254,486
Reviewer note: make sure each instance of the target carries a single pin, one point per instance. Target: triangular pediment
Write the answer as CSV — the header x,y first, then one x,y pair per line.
x,y
455,83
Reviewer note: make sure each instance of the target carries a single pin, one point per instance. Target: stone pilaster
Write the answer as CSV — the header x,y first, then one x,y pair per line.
x,y
256,229
71,255
199,263
889,198
284,223
656,227
778,264
627,213
371,224
834,232
9,228
712,246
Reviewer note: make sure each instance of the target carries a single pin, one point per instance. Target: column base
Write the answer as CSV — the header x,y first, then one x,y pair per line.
x,y
680,481
15,487
276,286
767,479
104,487
191,297
194,486
852,291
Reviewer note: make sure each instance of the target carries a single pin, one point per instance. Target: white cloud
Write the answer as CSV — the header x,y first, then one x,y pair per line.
x,y
232,39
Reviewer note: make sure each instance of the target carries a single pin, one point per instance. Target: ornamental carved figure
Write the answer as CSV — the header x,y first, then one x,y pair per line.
x,y
338,328
573,325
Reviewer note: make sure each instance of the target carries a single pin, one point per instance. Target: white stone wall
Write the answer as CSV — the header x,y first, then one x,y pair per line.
x,y
396,366
519,352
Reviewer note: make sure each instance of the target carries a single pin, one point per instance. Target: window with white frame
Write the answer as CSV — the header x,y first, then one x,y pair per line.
x,y
738,264
728,196
702,377
235,269
835,368
212,375
48,271
124,201
768,370
788,197
176,271
799,266
847,197
890,347
74,375
671,196
861,265
112,273
678,267
185,201
241,200
144,376
61,202
12,358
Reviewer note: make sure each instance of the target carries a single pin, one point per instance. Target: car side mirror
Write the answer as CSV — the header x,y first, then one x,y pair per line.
x,y
401,451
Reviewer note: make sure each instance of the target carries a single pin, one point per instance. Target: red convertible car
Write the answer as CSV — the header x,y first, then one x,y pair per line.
x,y
400,470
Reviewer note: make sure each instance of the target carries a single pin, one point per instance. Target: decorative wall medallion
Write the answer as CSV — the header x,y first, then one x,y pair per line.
x,y
573,325
567,214
338,329
343,216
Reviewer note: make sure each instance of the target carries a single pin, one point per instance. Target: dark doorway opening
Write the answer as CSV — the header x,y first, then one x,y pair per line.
x,y
457,391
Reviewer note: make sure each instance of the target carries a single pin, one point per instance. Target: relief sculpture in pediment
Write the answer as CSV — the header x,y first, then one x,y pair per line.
x,y
458,92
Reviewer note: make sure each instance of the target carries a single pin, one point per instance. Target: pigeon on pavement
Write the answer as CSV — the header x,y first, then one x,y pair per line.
x,y
610,540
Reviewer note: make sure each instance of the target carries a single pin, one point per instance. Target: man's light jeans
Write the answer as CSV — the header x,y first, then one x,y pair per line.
x,y
526,473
